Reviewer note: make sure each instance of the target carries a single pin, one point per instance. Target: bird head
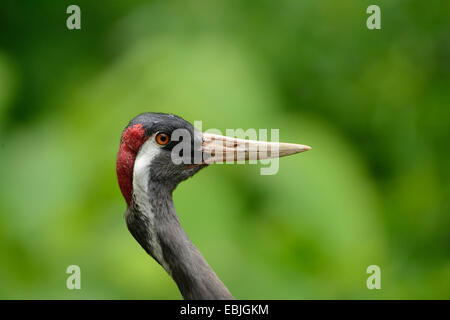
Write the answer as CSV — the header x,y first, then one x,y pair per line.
x,y
165,149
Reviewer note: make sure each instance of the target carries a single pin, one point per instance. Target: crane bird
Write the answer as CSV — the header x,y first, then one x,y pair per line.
x,y
147,176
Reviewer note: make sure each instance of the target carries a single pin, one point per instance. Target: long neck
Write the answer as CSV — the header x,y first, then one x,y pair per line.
x,y
155,224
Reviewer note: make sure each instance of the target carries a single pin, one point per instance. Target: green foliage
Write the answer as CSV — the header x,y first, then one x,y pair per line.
x,y
374,105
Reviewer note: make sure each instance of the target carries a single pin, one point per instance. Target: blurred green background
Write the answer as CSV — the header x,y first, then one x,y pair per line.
x,y
374,105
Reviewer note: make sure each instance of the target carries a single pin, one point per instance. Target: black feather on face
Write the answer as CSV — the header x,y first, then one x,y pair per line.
x,y
162,168
166,123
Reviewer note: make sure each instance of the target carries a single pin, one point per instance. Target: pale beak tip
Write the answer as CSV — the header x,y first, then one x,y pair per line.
x,y
302,148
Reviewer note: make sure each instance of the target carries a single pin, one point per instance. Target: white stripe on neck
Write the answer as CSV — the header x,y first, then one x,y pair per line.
x,y
141,177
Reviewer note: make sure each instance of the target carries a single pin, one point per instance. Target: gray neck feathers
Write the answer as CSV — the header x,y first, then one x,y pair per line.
x,y
152,220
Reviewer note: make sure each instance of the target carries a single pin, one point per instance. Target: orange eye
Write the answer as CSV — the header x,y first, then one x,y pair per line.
x,y
162,139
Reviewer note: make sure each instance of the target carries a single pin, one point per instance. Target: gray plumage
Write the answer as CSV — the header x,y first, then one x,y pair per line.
x,y
188,268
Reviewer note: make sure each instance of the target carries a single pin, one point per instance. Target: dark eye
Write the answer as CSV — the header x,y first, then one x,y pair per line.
x,y
162,139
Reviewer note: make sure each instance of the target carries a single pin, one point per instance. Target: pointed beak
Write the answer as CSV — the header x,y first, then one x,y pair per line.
x,y
220,149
